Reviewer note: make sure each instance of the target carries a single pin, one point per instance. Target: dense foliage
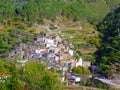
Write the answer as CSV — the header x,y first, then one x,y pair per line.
x,y
9,76
81,70
39,77
34,76
10,38
109,52
31,11
20,13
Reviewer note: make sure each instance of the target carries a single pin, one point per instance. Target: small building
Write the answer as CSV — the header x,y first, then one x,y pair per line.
x,y
38,51
64,57
49,43
57,50
84,63
73,63
62,78
64,68
39,38
80,62
71,52
57,59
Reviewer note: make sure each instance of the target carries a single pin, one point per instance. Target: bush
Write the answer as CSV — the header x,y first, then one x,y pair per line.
x,y
81,70
22,26
39,77
77,70
100,85
95,41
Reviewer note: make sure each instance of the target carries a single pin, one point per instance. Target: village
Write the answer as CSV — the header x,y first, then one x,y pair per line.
x,y
58,54
52,50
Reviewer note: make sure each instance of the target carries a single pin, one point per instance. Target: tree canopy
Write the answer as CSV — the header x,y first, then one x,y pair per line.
x,y
81,70
34,11
35,76
109,52
38,77
9,76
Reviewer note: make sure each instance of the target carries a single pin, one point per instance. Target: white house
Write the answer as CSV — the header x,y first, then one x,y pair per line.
x,y
62,78
49,43
79,63
38,51
71,52
84,63
57,58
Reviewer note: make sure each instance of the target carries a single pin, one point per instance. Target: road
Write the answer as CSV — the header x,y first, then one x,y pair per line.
x,y
115,83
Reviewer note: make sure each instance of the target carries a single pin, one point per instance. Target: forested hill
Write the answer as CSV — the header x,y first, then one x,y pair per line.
x,y
31,11
109,53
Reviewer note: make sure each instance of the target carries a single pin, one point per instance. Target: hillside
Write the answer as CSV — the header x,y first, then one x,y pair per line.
x,y
41,42
34,11
20,15
84,39
109,52
74,16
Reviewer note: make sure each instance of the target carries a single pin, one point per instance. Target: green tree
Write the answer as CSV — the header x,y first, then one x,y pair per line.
x,y
13,81
95,41
38,77
86,71
30,11
100,85
108,55
77,70
81,70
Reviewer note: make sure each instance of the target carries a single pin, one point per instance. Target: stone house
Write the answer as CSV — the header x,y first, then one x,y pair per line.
x,y
84,63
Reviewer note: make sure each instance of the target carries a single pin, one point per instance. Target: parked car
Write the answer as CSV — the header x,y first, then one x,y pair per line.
x,y
71,81
76,77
